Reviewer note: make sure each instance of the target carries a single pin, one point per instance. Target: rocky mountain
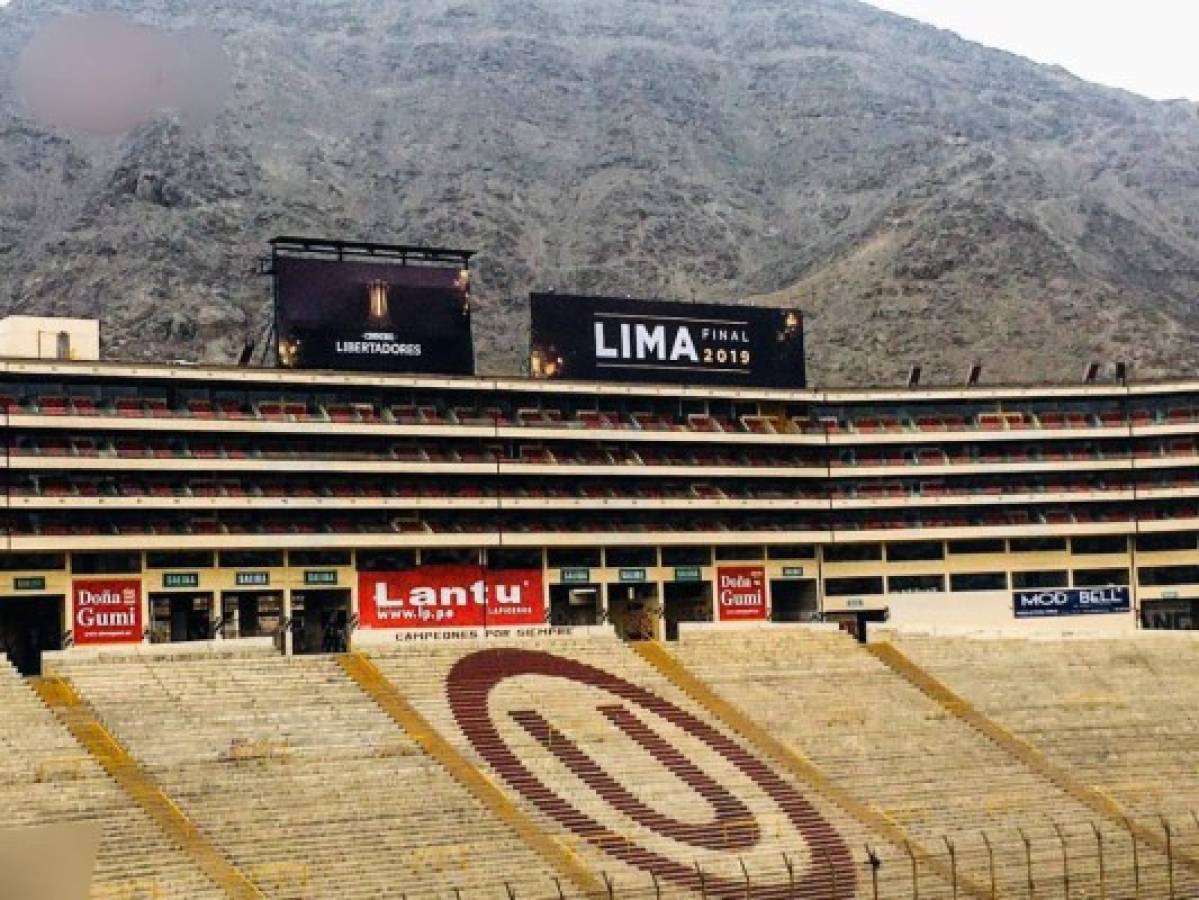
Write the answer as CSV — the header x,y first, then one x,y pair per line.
x,y
923,198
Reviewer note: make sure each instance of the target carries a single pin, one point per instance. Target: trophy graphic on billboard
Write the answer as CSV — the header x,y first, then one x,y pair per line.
x,y
378,302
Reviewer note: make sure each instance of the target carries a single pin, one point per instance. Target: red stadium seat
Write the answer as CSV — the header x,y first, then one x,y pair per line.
x,y
201,409
53,405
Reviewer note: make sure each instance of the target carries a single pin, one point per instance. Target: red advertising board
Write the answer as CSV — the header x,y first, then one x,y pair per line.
x,y
107,611
741,593
450,597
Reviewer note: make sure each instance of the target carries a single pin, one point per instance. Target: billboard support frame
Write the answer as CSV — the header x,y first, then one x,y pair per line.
x,y
342,250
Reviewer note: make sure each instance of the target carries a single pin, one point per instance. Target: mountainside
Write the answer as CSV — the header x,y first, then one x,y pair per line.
x,y
924,199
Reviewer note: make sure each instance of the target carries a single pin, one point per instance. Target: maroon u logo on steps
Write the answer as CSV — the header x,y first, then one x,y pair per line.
x,y
732,826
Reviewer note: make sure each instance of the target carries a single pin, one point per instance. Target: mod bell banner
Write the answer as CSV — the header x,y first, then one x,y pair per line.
x,y
1071,602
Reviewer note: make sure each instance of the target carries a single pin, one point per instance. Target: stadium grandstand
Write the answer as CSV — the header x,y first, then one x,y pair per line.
x,y
310,633
233,502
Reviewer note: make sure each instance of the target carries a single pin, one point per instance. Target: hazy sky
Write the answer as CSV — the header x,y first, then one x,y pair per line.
x,y
1146,46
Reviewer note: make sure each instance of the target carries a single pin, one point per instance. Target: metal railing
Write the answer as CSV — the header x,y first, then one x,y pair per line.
x,y
1049,861
1046,861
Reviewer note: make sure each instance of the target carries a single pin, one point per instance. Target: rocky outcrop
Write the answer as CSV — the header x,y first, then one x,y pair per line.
x,y
923,198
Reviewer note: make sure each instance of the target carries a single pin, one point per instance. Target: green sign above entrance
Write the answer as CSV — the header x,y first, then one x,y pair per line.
x,y
320,576
181,579
793,571
575,576
632,574
687,573
29,583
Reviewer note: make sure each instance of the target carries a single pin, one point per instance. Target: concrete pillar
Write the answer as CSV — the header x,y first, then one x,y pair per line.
x,y
232,618
286,623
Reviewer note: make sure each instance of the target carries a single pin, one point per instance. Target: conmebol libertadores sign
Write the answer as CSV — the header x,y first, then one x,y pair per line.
x,y
617,339
372,307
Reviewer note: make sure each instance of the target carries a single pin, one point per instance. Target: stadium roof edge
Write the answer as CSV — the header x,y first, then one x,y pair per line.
x,y
331,379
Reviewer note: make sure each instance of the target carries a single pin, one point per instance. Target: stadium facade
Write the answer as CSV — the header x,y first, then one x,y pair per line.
x,y
162,503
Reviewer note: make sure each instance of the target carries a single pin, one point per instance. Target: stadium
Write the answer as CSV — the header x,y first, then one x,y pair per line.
x,y
657,619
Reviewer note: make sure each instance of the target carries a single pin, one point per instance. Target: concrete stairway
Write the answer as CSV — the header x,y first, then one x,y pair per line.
x,y
47,777
1121,714
302,781
620,764
882,739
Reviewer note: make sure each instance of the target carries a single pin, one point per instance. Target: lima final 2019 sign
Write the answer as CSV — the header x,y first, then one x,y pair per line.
x,y
615,339
451,597
373,316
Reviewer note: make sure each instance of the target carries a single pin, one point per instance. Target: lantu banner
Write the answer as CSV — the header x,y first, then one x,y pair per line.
x,y
451,597
741,593
618,339
107,611
1071,602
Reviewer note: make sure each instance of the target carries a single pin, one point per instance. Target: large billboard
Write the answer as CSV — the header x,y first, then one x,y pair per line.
x,y
372,316
107,611
451,597
617,339
1071,602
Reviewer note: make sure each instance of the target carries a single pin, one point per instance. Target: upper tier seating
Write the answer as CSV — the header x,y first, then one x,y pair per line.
x,y
883,740
46,777
302,781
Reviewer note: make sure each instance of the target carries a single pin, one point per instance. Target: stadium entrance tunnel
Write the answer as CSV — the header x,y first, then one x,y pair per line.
x,y
246,614
794,601
686,601
574,604
634,611
858,623
320,621
178,617
29,626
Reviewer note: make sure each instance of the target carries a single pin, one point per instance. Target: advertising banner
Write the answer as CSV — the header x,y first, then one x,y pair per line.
x,y
373,316
741,593
107,611
1071,602
450,597
617,339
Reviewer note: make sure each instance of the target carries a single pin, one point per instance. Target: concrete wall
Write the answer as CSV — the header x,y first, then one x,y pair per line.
x,y
991,612
36,337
